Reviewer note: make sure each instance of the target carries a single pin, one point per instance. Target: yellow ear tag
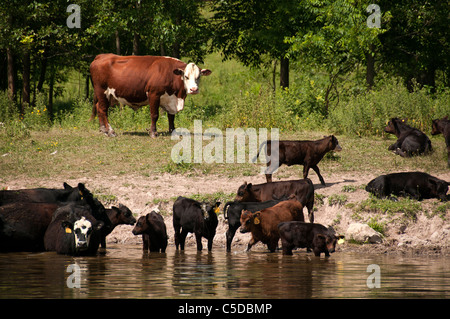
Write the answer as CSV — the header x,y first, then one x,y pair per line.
x,y
217,210
68,230
256,221
341,241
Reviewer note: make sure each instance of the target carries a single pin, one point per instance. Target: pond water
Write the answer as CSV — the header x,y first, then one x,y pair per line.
x,y
126,272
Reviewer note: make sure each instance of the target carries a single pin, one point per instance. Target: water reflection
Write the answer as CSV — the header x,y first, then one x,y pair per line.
x,y
127,272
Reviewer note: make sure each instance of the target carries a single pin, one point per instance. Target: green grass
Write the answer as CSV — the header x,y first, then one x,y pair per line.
x,y
232,96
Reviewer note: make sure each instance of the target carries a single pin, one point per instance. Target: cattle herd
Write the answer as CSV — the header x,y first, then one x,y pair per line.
x,y
71,221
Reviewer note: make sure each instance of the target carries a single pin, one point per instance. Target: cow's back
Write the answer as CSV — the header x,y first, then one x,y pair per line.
x,y
284,211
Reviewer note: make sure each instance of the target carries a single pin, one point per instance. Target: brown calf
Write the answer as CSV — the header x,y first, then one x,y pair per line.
x,y
306,153
264,224
302,189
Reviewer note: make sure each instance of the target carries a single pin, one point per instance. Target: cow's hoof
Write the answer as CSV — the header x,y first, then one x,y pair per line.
x,y
111,133
152,133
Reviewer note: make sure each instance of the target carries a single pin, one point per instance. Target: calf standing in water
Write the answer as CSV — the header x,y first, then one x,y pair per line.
x,y
306,153
153,230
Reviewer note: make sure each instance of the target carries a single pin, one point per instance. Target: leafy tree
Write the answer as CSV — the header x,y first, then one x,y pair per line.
x,y
416,44
252,30
338,41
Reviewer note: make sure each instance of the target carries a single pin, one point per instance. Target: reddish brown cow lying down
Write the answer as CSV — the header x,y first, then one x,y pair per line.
x,y
306,153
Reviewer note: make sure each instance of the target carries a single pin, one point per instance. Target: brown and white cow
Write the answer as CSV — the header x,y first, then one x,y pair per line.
x,y
141,80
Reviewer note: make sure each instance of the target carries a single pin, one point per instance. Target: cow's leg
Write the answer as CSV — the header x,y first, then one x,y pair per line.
x,y
154,113
305,170
210,244
177,236
250,244
102,113
183,239
145,242
269,178
230,235
316,169
198,239
171,118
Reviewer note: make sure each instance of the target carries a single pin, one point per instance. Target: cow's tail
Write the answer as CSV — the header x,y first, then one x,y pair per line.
x,y
225,209
259,151
94,108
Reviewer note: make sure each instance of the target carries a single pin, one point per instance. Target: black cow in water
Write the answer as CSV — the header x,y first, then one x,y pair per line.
x,y
302,189
42,195
190,216
410,141
320,239
73,231
153,231
418,185
23,224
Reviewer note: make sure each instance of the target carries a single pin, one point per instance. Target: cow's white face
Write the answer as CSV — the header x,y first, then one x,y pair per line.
x,y
191,77
82,229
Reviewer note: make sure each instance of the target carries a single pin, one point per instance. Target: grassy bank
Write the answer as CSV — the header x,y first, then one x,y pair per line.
x,y
36,144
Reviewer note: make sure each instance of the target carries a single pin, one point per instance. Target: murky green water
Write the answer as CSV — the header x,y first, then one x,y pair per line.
x,y
125,272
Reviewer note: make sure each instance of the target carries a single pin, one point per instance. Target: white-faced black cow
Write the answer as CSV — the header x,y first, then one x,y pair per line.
x,y
142,80
73,231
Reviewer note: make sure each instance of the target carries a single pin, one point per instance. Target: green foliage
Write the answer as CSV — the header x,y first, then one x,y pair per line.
x,y
367,114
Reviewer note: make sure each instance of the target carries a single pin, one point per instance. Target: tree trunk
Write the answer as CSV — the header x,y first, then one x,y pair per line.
x,y
50,91
116,34
136,44
86,92
26,79
284,72
11,77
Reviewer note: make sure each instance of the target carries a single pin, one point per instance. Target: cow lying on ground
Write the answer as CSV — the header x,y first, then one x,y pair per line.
x,y
418,185
190,216
73,231
306,153
264,224
142,80
410,141
443,126
121,215
303,190
307,235
42,195
232,212
153,231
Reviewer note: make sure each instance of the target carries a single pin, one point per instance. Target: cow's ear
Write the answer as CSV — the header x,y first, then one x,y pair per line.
x,y
205,72
178,71
67,226
67,186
